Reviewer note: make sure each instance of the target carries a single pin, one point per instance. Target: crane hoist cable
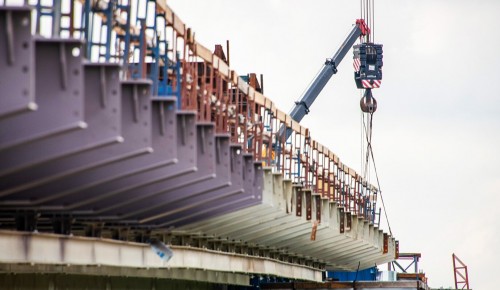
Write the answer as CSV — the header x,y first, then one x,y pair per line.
x,y
367,69
368,75
370,149
368,135
367,8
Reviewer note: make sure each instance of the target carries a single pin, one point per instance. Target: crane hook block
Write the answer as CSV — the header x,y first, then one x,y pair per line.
x,y
368,103
368,65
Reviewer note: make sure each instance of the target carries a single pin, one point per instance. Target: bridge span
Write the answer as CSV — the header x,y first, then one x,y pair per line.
x,y
118,128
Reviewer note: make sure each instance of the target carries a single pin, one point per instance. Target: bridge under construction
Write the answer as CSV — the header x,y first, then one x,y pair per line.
x,y
119,133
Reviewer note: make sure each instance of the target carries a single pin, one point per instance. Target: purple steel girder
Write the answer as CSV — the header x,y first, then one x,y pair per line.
x,y
59,84
102,100
136,130
77,140
137,196
182,194
17,82
184,206
254,185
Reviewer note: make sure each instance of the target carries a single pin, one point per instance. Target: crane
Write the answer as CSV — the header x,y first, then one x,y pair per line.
x,y
301,107
368,72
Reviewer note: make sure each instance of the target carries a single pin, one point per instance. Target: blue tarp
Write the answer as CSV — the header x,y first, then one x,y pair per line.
x,y
369,274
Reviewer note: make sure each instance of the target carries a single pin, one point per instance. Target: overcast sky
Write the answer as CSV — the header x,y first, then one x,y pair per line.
x,y
437,128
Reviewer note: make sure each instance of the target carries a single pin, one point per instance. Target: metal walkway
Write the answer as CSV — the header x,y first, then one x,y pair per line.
x,y
158,137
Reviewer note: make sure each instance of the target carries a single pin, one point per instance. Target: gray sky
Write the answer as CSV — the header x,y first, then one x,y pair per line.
x,y
437,128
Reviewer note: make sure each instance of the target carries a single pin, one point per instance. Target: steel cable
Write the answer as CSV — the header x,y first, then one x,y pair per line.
x,y
370,149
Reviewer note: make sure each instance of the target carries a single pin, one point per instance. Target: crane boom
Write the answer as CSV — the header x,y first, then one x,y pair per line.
x,y
302,106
